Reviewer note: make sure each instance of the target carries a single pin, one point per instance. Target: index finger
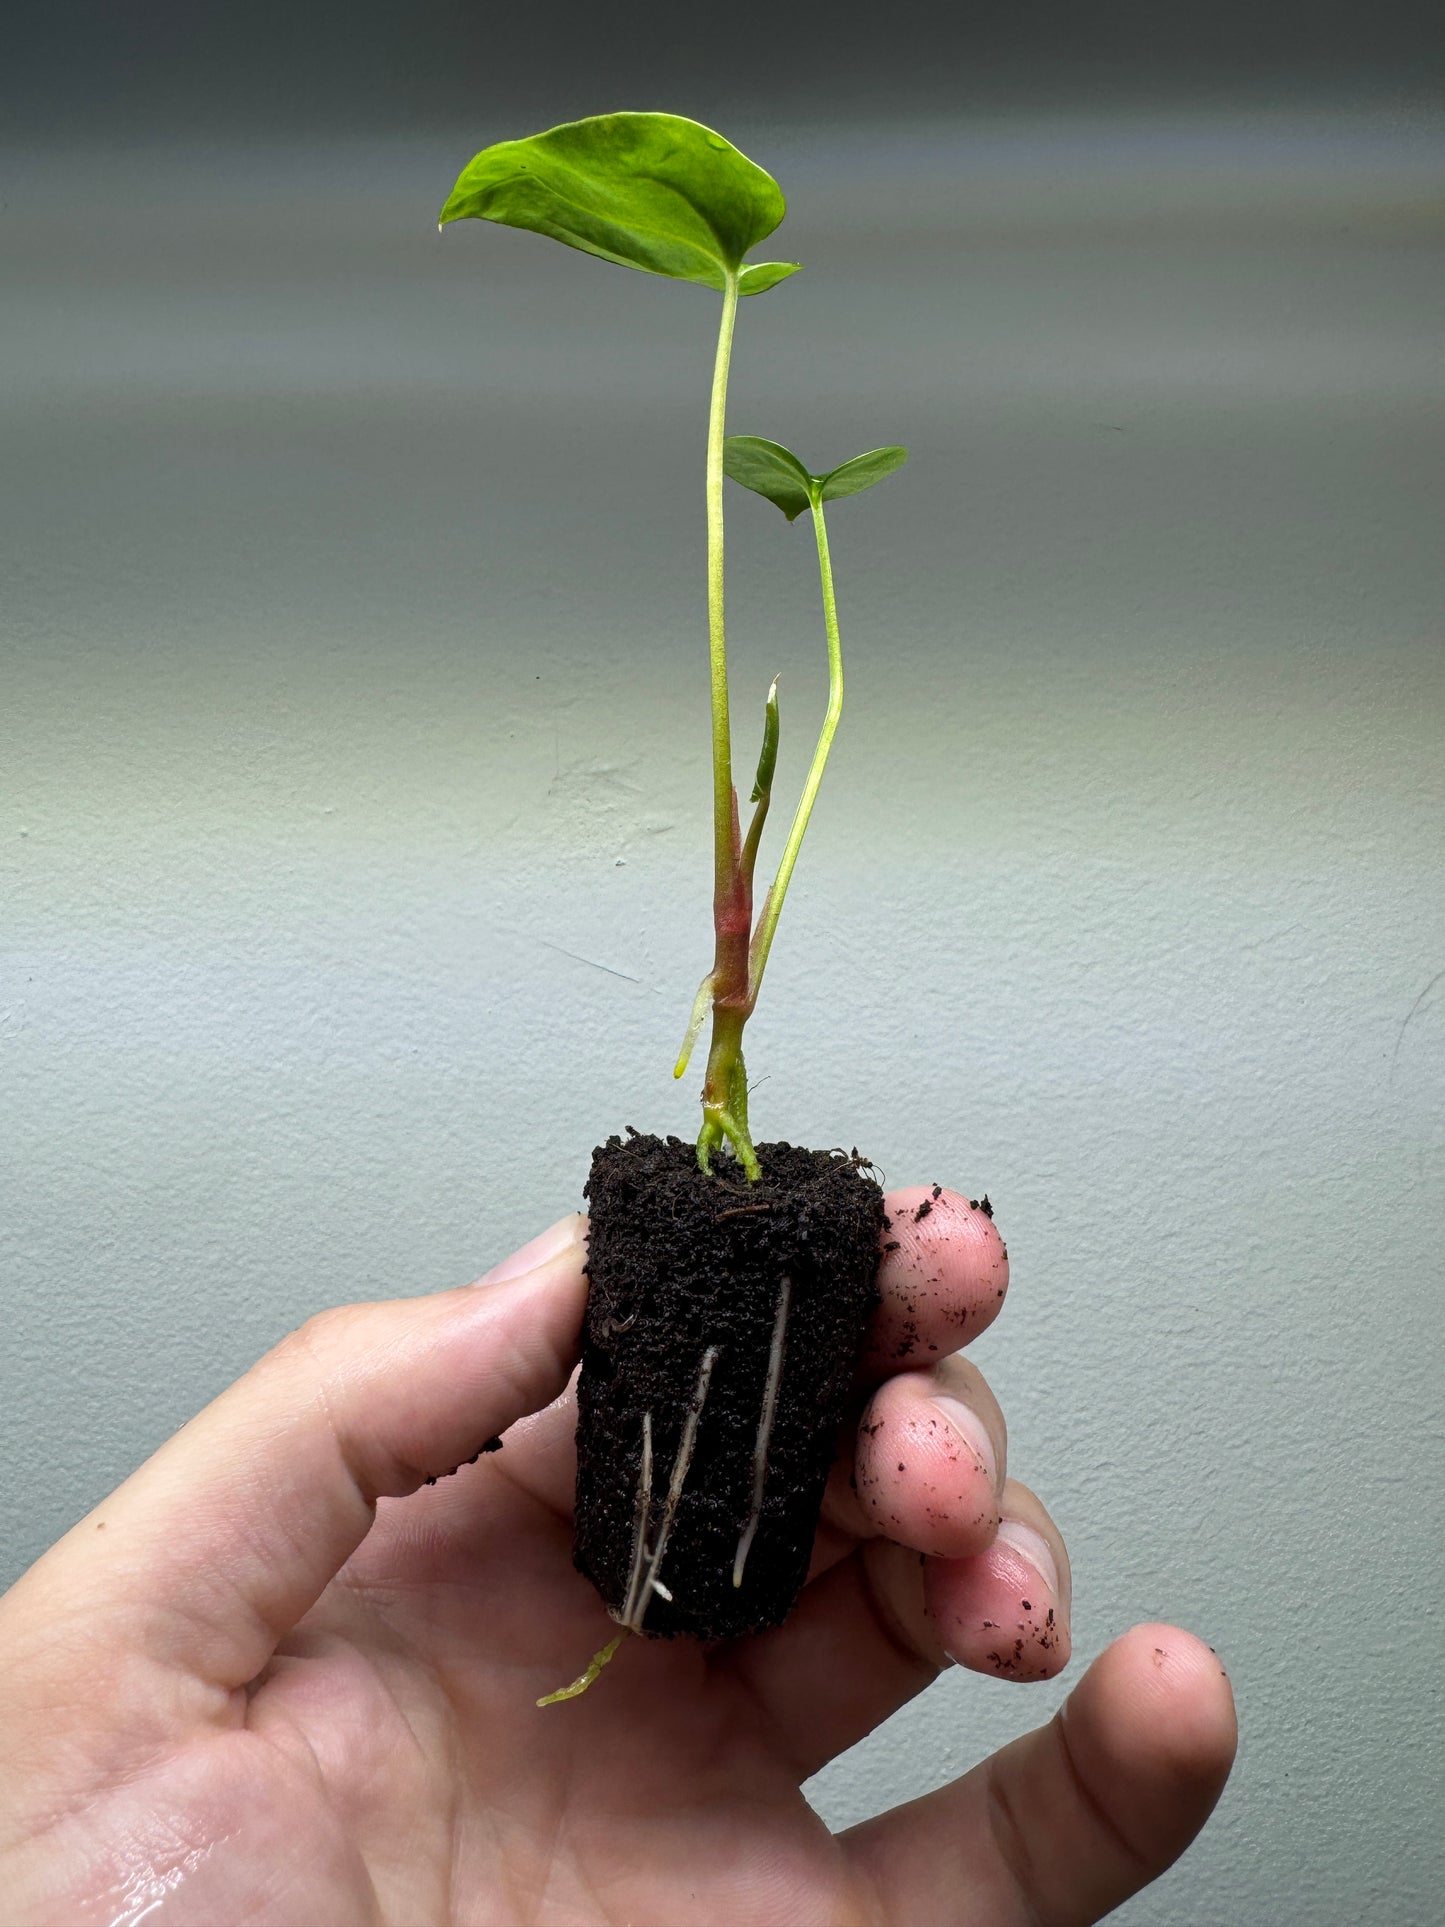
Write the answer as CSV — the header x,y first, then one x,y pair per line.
x,y
941,1279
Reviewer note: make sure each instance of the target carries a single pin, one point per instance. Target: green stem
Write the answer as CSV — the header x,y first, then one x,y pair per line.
x,y
768,922
722,759
725,1093
725,1090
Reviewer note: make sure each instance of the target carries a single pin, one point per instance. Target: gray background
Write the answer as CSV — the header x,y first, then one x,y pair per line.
x,y
355,808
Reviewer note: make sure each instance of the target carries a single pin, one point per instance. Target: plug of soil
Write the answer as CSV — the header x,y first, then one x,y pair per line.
x,y
724,1321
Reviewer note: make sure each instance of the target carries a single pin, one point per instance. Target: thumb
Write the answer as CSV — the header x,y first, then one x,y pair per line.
x,y
209,1554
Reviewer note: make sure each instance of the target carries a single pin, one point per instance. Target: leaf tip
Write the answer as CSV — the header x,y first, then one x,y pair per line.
x,y
762,275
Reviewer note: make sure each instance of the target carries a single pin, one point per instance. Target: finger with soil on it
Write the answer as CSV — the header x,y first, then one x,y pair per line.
x,y
1005,1612
942,1278
926,1466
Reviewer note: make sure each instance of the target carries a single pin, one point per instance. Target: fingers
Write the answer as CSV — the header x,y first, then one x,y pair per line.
x,y
1006,1610
1063,1826
941,1278
880,1624
928,1463
224,1539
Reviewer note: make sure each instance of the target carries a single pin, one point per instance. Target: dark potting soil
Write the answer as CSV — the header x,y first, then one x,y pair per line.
x,y
688,1275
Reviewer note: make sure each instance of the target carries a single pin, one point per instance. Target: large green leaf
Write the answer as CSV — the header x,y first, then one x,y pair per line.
x,y
769,469
774,471
651,191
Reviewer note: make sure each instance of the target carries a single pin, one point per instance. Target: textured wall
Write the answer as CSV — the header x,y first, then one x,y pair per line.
x,y
355,820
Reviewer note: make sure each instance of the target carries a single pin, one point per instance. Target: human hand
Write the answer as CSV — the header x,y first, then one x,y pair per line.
x,y
276,1679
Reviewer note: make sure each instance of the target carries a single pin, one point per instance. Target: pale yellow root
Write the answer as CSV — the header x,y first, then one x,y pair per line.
x,y
584,1680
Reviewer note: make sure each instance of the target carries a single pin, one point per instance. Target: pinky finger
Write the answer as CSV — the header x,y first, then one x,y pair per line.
x,y
1006,1611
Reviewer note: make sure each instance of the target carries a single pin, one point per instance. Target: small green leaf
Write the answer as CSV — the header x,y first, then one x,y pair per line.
x,y
701,1004
650,191
763,275
772,470
862,472
769,469
768,760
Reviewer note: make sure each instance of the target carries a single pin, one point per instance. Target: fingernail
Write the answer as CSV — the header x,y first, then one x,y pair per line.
x,y
563,1237
963,1420
1035,1548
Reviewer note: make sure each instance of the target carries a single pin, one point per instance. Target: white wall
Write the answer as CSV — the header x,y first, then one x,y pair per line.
x,y
355,822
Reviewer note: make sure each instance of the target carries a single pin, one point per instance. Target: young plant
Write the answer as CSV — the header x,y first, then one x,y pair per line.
x,y
670,197
726,1302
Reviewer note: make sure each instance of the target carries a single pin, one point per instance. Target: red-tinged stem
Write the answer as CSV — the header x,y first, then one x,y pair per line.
x,y
725,1090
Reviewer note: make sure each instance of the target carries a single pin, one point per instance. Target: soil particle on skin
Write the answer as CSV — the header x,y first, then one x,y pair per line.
x,y
981,1204
936,1193
923,1210
491,1445
679,1263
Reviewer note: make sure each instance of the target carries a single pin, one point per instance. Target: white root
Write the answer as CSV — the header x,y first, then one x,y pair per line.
x,y
765,1427
646,1565
630,1618
681,1463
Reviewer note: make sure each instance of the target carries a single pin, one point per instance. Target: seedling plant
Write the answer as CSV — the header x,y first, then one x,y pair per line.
x,y
696,1293
670,197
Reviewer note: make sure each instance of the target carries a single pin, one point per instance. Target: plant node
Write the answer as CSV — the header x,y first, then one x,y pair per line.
x,y
725,1090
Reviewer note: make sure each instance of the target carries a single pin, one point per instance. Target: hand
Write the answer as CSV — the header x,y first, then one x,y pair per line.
x,y
275,1678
